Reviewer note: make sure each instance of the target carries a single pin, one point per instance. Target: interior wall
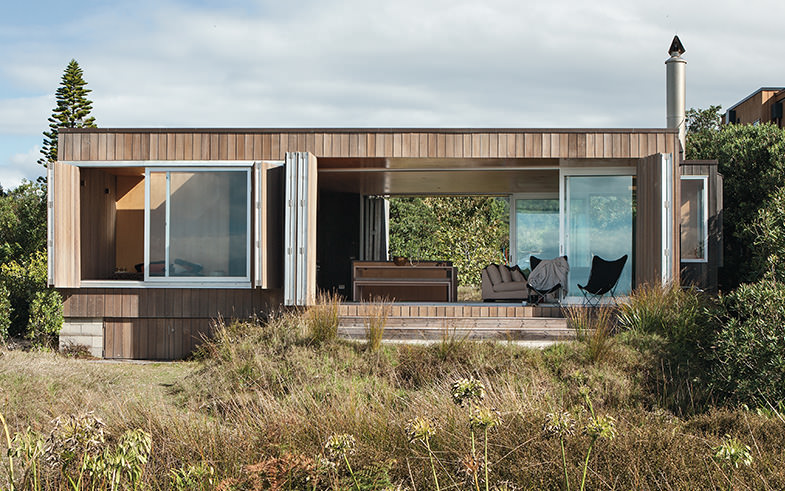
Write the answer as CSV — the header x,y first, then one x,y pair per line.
x,y
129,227
337,242
97,216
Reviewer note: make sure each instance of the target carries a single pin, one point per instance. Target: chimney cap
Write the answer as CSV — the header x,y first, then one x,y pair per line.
x,y
676,49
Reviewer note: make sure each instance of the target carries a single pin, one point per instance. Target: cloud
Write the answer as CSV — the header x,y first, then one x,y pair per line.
x,y
403,63
21,166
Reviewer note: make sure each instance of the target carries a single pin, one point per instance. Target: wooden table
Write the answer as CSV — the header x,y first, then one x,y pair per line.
x,y
427,281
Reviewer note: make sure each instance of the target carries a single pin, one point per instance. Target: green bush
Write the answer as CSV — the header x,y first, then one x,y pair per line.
x,y
46,317
23,278
5,312
749,356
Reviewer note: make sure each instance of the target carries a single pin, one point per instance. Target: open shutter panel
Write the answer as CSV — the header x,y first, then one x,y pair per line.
x,y
654,243
66,253
300,229
257,230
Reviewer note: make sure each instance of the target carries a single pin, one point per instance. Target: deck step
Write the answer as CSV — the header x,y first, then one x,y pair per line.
x,y
532,329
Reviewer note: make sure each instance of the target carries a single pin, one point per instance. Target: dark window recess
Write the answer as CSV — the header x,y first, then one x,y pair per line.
x,y
732,116
776,110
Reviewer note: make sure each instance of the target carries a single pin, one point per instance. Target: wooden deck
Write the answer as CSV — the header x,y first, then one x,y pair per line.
x,y
537,325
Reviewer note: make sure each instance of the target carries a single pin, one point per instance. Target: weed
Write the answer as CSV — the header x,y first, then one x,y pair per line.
x,y
199,476
341,446
421,429
731,453
78,351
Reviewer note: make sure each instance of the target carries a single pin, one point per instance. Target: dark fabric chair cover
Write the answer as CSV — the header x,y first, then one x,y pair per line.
x,y
603,277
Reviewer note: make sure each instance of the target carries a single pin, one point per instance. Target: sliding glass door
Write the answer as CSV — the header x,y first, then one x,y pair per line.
x,y
598,220
198,224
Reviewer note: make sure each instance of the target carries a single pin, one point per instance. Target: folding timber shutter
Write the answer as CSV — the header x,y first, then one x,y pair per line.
x,y
259,224
300,229
654,235
65,226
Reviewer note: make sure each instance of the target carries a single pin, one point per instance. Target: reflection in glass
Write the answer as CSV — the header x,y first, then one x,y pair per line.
x,y
599,222
536,229
693,215
208,224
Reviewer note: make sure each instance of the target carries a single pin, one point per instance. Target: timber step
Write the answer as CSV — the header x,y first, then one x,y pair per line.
x,y
534,329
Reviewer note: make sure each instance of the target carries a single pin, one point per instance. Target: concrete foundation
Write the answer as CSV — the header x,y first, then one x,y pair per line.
x,y
85,331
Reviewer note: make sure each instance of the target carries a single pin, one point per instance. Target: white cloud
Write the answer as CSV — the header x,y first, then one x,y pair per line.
x,y
403,63
21,166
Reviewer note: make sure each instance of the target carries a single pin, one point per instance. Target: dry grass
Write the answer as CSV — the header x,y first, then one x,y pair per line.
x,y
264,398
376,317
322,318
469,293
593,328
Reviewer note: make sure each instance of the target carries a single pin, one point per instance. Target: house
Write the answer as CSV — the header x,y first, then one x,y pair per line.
x,y
762,106
154,232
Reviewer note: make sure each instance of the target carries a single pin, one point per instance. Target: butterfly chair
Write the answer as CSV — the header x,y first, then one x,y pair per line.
x,y
603,278
537,295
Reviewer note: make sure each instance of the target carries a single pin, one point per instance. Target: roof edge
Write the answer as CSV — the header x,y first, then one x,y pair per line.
x,y
368,130
752,95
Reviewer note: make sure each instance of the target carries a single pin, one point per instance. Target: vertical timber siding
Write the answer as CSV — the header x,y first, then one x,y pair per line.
x,y
272,144
648,261
66,230
162,323
98,215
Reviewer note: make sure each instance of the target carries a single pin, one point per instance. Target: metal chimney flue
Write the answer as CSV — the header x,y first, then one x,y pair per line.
x,y
676,89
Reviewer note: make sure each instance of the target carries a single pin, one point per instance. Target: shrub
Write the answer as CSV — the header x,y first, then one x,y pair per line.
x,y
23,278
46,317
683,316
5,312
686,319
749,357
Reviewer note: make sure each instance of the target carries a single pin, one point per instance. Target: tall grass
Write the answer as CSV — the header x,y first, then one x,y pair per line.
x,y
593,328
322,318
684,320
376,314
255,411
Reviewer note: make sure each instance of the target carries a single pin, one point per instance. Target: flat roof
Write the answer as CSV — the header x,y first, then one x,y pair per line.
x,y
367,130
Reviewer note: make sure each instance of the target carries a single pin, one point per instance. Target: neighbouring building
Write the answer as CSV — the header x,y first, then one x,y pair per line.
x,y
762,106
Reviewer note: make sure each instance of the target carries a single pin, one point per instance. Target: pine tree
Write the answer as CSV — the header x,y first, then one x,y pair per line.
x,y
72,111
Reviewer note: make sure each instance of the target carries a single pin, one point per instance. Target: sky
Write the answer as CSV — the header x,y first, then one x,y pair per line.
x,y
368,63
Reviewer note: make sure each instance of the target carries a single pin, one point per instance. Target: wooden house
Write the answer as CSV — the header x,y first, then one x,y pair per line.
x,y
154,232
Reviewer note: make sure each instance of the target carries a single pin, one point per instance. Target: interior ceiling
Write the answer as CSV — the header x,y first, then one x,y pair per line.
x,y
124,171
407,176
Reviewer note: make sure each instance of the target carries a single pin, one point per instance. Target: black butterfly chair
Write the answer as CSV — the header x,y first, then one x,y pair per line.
x,y
538,296
603,278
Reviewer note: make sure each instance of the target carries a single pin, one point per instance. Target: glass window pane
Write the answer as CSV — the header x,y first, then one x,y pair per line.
x,y
693,226
208,231
599,223
157,223
536,229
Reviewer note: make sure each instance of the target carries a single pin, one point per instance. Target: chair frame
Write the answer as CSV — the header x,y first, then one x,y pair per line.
x,y
594,298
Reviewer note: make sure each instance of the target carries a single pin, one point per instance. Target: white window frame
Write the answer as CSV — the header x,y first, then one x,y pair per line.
x,y
572,297
226,281
705,198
